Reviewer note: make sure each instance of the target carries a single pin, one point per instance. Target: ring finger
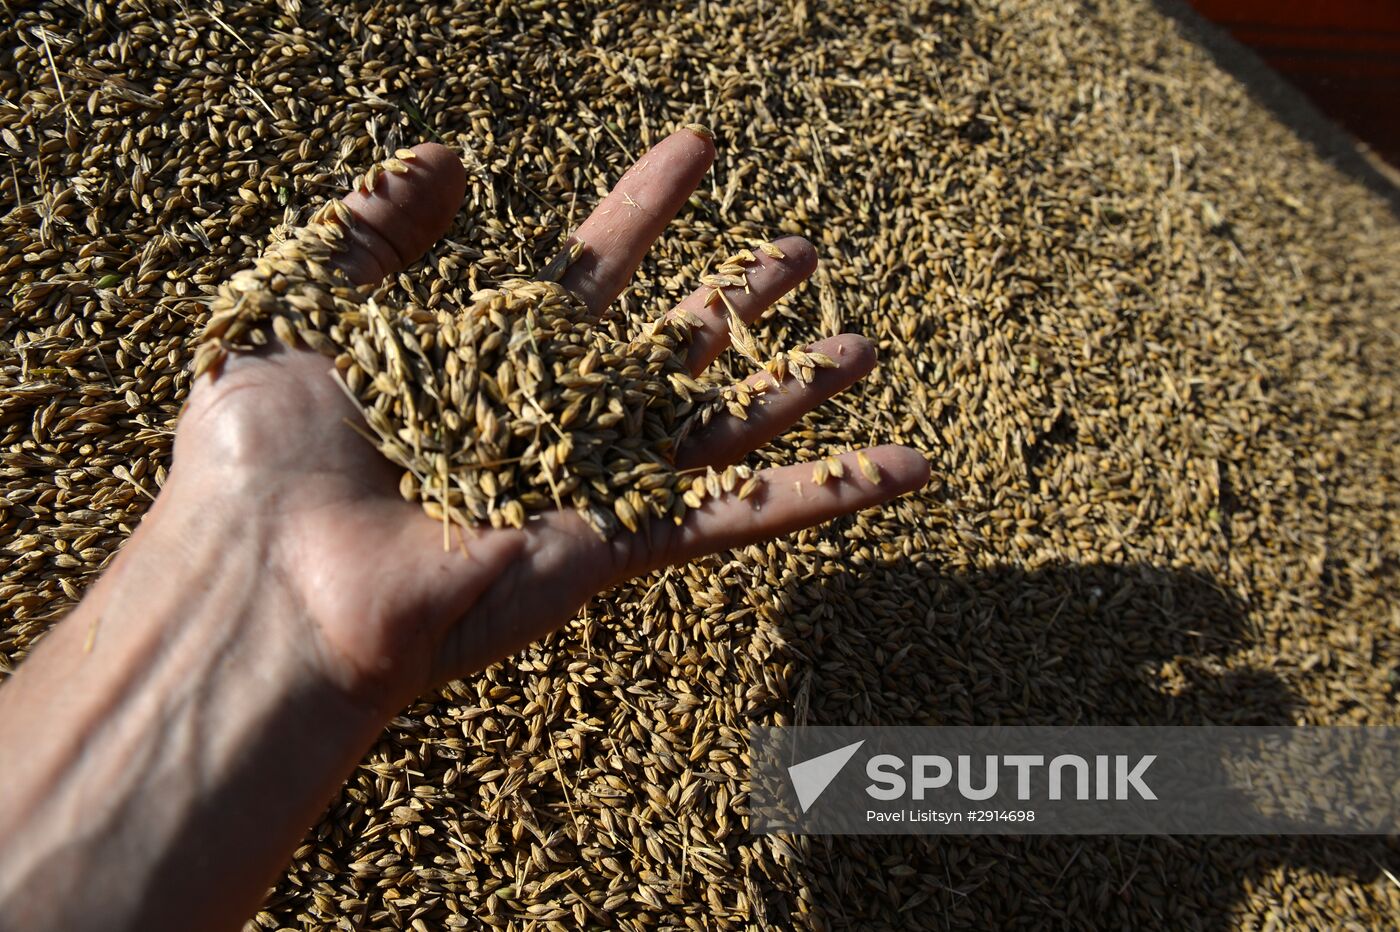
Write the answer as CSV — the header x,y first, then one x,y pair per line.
x,y
729,439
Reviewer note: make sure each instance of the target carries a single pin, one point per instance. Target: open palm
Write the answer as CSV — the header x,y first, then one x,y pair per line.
x,y
390,612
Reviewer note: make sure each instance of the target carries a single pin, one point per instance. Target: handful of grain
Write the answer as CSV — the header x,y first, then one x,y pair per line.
x,y
523,401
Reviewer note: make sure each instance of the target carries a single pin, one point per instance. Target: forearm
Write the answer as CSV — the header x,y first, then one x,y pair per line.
x,y
165,747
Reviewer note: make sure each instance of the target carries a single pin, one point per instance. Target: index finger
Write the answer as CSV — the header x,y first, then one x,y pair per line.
x,y
622,228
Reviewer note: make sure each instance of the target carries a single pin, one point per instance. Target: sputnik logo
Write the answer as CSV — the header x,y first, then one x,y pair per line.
x,y
811,777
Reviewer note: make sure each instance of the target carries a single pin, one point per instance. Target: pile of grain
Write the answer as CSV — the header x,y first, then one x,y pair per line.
x,y
1147,336
519,399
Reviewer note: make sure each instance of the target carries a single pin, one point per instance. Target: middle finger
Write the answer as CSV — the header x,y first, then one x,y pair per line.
x,y
769,278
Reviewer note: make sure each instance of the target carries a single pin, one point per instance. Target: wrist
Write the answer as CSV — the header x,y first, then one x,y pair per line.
x,y
179,709
219,554
237,537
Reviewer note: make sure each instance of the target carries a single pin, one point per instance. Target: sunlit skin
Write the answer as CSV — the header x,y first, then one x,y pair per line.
x,y
354,541
281,601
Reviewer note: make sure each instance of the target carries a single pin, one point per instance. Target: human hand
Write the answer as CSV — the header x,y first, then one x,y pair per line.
x,y
388,611
280,600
